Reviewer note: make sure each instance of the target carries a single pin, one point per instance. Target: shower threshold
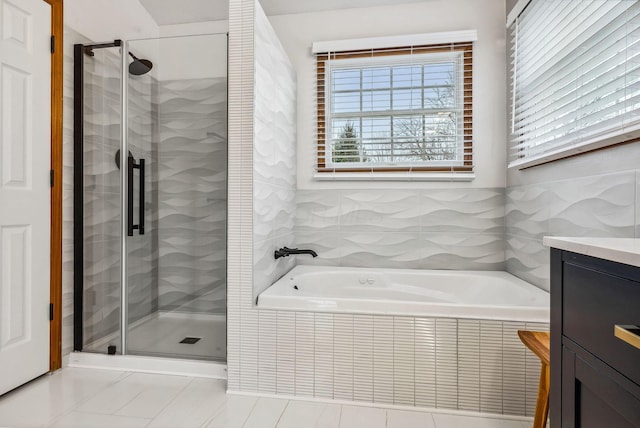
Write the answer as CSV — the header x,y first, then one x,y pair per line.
x,y
143,364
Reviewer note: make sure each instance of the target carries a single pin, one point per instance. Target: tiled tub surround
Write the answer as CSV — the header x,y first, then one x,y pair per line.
x,y
449,228
474,365
191,159
274,159
588,206
427,361
420,361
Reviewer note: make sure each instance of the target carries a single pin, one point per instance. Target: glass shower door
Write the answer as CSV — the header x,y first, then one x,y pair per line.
x,y
97,243
176,197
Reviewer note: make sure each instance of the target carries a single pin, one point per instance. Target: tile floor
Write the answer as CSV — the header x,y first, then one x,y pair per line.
x,y
87,398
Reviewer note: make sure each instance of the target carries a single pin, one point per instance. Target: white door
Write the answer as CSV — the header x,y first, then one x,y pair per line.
x,y
25,152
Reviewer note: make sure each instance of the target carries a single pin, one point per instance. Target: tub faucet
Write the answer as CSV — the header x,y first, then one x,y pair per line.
x,y
286,252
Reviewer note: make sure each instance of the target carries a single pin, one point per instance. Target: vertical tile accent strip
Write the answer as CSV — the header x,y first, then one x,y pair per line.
x,y
469,365
267,348
286,360
305,348
383,364
323,355
425,362
446,363
513,369
491,366
363,358
403,361
343,357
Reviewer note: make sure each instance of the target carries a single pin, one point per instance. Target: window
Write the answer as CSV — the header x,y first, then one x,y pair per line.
x,y
395,110
574,78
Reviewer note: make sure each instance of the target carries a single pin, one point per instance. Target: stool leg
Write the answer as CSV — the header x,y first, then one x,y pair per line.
x,y
542,404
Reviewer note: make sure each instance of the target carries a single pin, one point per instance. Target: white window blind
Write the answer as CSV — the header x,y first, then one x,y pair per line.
x,y
395,109
575,78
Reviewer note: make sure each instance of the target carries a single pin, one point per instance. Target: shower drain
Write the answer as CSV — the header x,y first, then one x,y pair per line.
x,y
190,340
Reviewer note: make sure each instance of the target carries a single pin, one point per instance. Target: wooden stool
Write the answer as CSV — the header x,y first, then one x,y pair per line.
x,y
538,343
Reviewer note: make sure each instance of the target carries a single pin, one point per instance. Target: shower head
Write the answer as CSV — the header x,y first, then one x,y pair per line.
x,y
139,66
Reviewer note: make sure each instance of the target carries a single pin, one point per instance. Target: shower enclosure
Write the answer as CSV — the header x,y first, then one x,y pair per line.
x,y
150,226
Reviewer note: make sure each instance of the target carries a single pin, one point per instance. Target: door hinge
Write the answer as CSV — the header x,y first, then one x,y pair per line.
x,y
50,311
51,177
53,44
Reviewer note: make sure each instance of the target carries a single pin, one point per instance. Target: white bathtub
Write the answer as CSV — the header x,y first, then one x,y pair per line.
x,y
425,293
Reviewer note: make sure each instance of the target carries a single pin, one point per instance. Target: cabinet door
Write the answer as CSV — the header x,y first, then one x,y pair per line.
x,y
594,302
595,396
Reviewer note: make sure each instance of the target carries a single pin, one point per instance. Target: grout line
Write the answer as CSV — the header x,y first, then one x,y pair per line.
x,y
433,420
216,412
80,402
246,419
175,397
282,413
129,402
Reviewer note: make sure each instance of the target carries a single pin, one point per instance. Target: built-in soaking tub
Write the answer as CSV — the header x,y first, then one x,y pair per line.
x,y
426,338
485,295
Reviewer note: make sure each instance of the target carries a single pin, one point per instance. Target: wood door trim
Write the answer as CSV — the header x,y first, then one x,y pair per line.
x,y
57,57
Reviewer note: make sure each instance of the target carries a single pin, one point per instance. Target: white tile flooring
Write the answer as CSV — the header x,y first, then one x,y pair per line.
x,y
88,398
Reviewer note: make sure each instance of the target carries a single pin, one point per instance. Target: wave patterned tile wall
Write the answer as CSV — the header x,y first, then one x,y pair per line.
x,y
191,157
420,229
600,205
274,160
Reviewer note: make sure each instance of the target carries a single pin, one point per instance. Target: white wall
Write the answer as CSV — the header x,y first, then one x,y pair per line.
x,y
185,57
298,32
208,27
193,57
104,20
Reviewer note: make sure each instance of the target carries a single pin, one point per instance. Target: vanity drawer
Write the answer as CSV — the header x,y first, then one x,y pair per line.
x,y
593,304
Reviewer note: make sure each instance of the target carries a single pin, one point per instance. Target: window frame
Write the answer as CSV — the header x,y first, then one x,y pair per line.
x,y
372,57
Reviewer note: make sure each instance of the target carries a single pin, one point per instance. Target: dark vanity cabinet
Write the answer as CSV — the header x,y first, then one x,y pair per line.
x,y
595,375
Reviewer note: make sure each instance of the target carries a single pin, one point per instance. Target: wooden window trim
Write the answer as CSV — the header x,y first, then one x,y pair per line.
x,y
467,51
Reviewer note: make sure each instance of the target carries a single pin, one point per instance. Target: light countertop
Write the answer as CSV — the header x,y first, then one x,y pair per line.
x,y
621,250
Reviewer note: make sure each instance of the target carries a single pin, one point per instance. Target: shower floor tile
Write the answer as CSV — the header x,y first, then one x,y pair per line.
x,y
162,334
